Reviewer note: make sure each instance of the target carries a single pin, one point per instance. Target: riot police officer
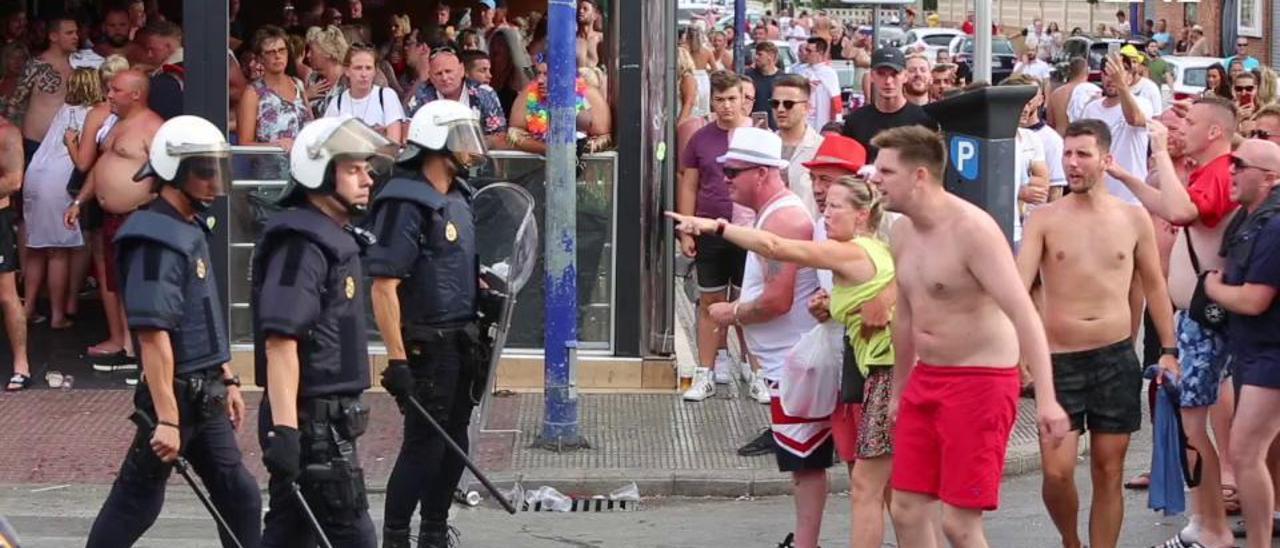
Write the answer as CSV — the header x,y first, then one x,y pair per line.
x,y
189,404
311,347
424,299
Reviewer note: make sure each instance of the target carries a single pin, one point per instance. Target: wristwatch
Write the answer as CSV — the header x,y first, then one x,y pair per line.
x,y
1169,351
233,380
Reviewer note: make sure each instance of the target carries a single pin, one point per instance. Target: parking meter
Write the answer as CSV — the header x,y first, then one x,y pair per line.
x,y
980,127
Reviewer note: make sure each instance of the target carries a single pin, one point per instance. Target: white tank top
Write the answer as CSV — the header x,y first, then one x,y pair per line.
x,y
771,341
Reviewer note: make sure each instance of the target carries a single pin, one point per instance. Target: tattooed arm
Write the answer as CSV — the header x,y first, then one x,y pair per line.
x,y
779,277
26,83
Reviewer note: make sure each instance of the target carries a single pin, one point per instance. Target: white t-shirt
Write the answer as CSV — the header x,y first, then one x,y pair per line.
x,y
1128,143
377,113
824,84
1027,149
1081,96
1052,143
1037,69
1148,91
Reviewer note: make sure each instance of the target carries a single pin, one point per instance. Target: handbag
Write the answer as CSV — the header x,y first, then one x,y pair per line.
x,y
852,383
1203,310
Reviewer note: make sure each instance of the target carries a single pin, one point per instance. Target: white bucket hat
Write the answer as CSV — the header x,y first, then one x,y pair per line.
x,y
755,146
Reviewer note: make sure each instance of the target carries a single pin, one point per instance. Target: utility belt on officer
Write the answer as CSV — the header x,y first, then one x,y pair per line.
x,y
332,478
201,395
475,354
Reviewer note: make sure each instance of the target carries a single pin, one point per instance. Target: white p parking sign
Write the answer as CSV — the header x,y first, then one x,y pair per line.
x,y
964,156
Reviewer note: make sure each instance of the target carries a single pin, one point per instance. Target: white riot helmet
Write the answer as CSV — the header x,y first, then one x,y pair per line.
x,y
185,147
322,142
447,127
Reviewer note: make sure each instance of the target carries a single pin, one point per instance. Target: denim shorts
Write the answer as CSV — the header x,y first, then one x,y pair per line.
x,y
1203,359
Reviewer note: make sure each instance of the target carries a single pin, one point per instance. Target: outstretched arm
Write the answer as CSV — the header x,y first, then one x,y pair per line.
x,y
839,257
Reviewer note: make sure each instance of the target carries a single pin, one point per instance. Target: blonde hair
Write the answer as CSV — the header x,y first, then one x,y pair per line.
x,y
84,88
402,21
329,41
865,196
113,65
684,62
1266,82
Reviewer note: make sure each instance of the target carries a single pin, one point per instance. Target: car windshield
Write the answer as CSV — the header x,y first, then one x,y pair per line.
x,y
999,46
940,40
1196,77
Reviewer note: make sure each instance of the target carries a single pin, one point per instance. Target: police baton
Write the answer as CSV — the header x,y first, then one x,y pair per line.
x,y
184,469
488,485
311,517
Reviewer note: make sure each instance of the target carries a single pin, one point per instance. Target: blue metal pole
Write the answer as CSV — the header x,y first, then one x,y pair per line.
x,y
560,414
739,41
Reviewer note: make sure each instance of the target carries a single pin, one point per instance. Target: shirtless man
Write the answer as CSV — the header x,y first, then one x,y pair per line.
x,y
43,86
1077,73
15,318
115,34
589,39
962,316
1087,248
111,182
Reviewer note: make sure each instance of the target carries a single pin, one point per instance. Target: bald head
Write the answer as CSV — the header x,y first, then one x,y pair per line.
x,y
446,74
128,91
1260,153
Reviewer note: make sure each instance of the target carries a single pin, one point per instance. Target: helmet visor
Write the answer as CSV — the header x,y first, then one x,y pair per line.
x,y
467,143
204,177
353,139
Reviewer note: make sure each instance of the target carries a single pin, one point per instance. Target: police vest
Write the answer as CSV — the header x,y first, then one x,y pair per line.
x,y
333,357
200,340
441,288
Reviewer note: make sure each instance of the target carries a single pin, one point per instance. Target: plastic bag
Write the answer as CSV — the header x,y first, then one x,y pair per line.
x,y
810,383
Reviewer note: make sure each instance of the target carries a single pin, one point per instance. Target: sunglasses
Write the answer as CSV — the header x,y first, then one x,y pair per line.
x,y
786,105
1261,134
731,173
1238,164
1244,89
441,51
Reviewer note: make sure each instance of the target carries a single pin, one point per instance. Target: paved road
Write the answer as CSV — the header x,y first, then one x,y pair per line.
x,y
61,517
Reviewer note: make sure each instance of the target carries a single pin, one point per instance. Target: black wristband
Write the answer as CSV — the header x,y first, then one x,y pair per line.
x,y
233,380
167,423
395,362
1169,351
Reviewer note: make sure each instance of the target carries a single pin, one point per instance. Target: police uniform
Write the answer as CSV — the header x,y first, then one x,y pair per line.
x,y
307,286
167,283
427,239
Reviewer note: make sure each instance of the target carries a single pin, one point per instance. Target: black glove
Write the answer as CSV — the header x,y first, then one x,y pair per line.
x,y
397,378
283,456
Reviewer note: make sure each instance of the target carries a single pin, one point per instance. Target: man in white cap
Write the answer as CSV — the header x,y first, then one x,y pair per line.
x,y
772,313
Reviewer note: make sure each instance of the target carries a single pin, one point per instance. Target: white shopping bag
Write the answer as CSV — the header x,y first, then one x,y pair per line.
x,y
810,383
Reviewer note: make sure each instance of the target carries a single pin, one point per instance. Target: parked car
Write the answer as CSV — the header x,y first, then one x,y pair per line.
x,y
890,37
1092,48
1190,75
1002,57
929,41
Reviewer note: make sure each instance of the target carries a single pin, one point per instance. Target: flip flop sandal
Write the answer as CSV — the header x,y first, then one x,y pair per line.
x,y
1178,542
18,382
1139,482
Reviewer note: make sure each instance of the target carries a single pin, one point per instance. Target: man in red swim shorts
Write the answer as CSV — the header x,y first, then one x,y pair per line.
x,y
962,313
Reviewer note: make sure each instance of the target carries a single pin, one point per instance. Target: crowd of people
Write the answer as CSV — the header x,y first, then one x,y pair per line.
x,y
1139,216
85,92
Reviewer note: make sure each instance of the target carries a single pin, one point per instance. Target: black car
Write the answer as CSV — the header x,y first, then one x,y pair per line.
x,y
1093,48
1002,58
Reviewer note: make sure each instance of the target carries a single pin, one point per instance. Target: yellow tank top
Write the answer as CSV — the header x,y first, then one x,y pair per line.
x,y
876,350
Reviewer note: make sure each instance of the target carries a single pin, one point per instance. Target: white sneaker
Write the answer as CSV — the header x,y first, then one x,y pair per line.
x,y
723,368
702,388
759,390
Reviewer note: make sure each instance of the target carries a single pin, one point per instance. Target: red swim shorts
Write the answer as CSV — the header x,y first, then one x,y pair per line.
x,y
952,431
111,224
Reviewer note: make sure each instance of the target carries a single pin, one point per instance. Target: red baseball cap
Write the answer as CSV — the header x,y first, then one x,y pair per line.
x,y
840,152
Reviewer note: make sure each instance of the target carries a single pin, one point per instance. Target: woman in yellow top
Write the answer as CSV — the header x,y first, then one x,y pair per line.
x,y
862,267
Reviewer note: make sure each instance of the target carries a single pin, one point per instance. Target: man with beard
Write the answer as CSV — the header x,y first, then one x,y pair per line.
x,y
1126,117
916,88
164,51
115,34
589,40
942,79
1087,249
43,86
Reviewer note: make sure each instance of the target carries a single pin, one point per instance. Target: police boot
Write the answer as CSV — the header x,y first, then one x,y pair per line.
x,y
438,537
395,538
